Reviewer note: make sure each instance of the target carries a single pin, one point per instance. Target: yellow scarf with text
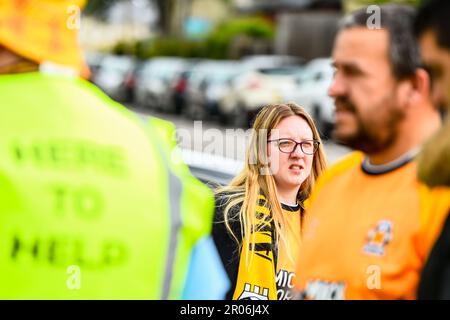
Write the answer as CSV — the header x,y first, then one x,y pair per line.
x,y
256,274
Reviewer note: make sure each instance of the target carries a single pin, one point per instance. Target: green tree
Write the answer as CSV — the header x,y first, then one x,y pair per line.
x,y
250,29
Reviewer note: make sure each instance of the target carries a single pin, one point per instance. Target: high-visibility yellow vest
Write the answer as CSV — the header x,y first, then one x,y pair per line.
x,y
94,203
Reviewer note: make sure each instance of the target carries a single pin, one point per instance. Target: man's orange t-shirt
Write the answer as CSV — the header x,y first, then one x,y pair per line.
x,y
367,235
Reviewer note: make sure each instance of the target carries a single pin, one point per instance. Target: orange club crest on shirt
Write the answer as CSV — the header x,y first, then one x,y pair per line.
x,y
378,237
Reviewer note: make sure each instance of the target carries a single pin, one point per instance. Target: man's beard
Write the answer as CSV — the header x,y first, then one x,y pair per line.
x,y
370,136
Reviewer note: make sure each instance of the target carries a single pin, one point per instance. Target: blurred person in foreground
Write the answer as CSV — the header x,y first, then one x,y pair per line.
x,y
258,216
94,201
371,224
432,28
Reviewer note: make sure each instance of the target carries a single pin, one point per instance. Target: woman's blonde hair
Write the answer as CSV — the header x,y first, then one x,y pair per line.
x,y
255,178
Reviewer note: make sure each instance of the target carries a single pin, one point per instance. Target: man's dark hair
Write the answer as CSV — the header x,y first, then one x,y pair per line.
x,y
434,15
398,20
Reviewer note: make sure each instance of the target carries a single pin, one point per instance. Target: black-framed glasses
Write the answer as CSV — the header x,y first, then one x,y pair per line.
x,y
287,145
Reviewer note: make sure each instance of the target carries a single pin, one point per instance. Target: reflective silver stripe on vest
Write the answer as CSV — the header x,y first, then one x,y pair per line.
x,y
175,190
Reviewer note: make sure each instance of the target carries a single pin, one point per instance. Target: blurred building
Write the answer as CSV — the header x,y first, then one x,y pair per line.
x,y
305,28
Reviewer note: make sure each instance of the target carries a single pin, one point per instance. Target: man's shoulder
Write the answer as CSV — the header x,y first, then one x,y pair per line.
x,y
349,161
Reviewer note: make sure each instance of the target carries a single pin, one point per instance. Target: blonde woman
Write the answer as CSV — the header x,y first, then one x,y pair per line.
x,y
258,215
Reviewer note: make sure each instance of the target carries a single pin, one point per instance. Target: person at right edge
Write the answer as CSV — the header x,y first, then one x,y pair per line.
x,y
371,223
432,27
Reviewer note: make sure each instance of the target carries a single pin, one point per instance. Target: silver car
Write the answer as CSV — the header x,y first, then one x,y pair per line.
x,y
114,75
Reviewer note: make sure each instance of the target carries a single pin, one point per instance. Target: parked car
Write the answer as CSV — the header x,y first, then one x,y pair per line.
x,y
209,83
254,89
115,77
218,86
312,93
153,81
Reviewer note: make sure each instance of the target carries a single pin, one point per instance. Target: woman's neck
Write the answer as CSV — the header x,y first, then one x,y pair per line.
x,y
288,197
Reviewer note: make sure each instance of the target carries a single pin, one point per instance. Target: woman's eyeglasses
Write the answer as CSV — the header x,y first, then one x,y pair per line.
x,y
287,145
